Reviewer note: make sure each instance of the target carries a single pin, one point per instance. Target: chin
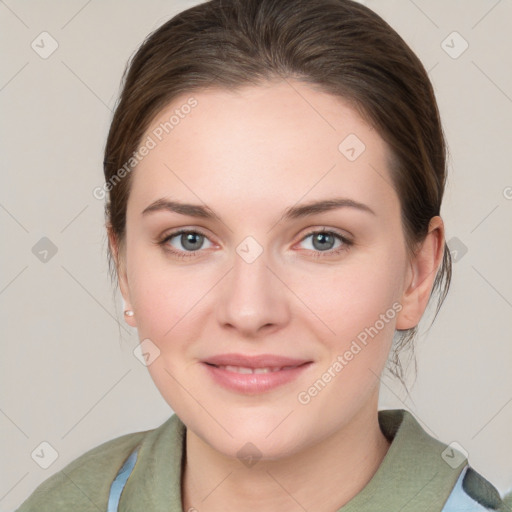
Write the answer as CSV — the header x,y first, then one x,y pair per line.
x,y
254,439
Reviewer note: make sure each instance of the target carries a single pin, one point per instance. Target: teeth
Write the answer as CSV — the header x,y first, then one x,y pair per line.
x,y
238,369
243,369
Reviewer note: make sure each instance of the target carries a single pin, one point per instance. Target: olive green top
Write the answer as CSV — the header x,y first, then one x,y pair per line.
x,y
415,474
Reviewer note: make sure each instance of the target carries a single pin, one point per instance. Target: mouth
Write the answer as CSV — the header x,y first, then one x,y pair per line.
x,y
247,370
253,374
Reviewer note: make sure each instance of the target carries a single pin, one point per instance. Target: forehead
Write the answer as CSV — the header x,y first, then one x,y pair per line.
x,y
274,143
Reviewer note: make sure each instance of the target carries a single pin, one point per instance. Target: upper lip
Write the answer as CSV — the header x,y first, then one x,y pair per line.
x,y
257,361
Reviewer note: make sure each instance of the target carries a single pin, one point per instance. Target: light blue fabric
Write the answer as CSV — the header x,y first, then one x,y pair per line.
x,y
120,481
459,501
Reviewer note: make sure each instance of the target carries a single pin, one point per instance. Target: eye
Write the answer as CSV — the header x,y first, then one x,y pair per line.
x,y
184,243
324,241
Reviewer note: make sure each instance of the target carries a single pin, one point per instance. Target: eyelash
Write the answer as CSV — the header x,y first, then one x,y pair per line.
x,y
346,243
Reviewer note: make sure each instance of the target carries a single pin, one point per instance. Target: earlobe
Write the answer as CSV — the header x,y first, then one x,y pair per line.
x,y
420,277
129,317
129,314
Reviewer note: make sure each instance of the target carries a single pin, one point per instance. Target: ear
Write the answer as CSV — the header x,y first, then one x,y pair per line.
x,y
121,273
420,277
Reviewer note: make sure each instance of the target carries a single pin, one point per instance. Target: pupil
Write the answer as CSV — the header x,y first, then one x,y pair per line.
x,y
189,240
321,237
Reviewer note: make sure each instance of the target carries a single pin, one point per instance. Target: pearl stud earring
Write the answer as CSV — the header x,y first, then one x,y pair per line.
x,y
129,312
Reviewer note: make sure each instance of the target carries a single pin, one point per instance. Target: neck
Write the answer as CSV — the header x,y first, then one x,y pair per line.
x,y
323,477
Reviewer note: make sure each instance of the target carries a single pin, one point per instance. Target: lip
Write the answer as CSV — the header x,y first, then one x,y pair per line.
x,y
254,383
258,361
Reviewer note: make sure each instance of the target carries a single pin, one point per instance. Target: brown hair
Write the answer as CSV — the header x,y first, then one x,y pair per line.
x,y
338,46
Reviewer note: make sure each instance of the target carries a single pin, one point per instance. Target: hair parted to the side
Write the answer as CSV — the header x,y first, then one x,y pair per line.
x,y
337,46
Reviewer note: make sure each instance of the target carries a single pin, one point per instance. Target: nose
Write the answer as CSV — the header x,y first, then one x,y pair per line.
x,y
253,299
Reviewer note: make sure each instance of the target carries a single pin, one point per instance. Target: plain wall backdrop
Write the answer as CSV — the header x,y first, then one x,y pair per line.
x,y
69,377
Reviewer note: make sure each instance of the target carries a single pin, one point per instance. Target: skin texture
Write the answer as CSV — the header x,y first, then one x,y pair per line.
x,y
248,155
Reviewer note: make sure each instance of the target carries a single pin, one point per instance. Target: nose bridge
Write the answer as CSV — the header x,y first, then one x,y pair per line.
x,y
252,296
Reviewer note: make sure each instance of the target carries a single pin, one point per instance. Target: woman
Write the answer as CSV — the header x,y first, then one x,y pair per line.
x,y
275,172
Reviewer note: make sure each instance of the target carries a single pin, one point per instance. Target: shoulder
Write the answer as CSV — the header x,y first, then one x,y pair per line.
x,y
416,457
84,484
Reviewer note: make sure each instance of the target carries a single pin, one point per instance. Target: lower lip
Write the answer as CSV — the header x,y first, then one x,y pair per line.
x,y
252,383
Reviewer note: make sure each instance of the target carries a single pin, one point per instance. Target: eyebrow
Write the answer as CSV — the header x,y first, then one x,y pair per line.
x,y
293,212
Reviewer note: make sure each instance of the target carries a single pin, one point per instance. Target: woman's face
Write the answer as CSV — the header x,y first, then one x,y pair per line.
x,y
254,277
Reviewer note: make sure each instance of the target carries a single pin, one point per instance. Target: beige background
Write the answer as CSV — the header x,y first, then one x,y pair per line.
x,y
68,373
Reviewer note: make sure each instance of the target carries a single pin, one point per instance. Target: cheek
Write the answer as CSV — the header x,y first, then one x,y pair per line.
x,y
353,295
164,294
358,304
361,308
166,298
